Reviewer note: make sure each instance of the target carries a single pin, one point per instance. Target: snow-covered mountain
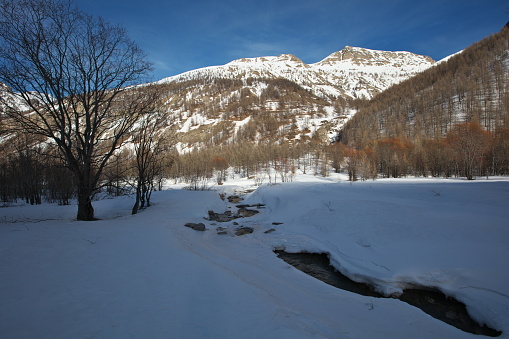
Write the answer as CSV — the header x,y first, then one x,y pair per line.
x,y
276,98
352,72
10,99
279,98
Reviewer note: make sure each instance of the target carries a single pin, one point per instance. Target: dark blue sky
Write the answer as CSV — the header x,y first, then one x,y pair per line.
x,y
179,36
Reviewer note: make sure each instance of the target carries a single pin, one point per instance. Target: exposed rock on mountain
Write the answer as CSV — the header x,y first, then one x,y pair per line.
x,y
275,98
350,73
279,98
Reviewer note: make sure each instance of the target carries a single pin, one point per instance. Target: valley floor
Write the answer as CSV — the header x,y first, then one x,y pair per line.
x,y
148,276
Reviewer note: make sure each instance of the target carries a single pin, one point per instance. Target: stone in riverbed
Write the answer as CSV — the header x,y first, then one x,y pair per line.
x,y
197,227
243,230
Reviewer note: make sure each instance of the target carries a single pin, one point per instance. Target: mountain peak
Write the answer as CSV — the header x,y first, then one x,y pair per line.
x,y
285,58
352,72
357,56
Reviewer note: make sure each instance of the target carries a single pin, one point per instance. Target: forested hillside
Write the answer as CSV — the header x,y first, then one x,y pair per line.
x,y
425,124
470,86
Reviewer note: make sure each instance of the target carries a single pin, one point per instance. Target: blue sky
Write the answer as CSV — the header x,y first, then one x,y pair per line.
x,y
179,36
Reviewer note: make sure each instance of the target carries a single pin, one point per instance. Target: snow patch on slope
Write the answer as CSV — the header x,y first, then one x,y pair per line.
x,y
352,72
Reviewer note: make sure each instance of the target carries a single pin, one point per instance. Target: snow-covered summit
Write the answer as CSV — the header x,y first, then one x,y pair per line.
x,y
362,57
353,72
288,60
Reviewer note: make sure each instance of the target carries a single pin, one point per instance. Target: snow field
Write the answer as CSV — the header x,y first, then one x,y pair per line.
x,y
148,276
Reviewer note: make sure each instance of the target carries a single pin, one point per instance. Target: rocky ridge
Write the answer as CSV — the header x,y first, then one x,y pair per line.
x,y
279,98
352,72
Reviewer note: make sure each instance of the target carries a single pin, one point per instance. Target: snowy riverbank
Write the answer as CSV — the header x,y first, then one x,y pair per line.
x,y
148,276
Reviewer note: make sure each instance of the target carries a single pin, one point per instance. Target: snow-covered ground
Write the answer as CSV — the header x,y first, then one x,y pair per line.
x,y
148,276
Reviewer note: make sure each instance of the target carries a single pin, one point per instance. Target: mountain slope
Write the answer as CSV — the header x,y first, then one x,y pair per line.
x,y
468,86
276,98
352,72
279,98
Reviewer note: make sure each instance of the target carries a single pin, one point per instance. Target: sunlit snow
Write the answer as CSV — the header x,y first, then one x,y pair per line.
x,y
148,276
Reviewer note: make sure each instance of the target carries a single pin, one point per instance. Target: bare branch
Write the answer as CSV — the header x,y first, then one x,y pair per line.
x,y
79,69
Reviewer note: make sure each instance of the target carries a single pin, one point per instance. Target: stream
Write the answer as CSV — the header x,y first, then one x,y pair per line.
x,y
430,300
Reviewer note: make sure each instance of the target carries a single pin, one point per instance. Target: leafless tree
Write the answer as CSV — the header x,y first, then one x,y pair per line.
x,y
469,144
73,72
149,144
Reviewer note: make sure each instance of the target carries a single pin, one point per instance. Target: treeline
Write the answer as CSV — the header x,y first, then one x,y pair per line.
x,y
467,151
31,170
35,174
471,86
264,162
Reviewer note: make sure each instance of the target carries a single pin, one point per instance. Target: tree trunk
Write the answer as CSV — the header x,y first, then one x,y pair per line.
x,y
85,209
142,195
137,201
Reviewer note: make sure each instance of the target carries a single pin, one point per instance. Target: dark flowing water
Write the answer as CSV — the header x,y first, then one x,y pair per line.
x,y
430,300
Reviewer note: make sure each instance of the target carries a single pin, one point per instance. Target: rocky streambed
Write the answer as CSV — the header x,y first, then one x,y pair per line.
x,y
429,299
242,211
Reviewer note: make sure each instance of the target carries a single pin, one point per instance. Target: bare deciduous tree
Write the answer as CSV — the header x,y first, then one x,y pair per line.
x,y
72,71
469,144
148,146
